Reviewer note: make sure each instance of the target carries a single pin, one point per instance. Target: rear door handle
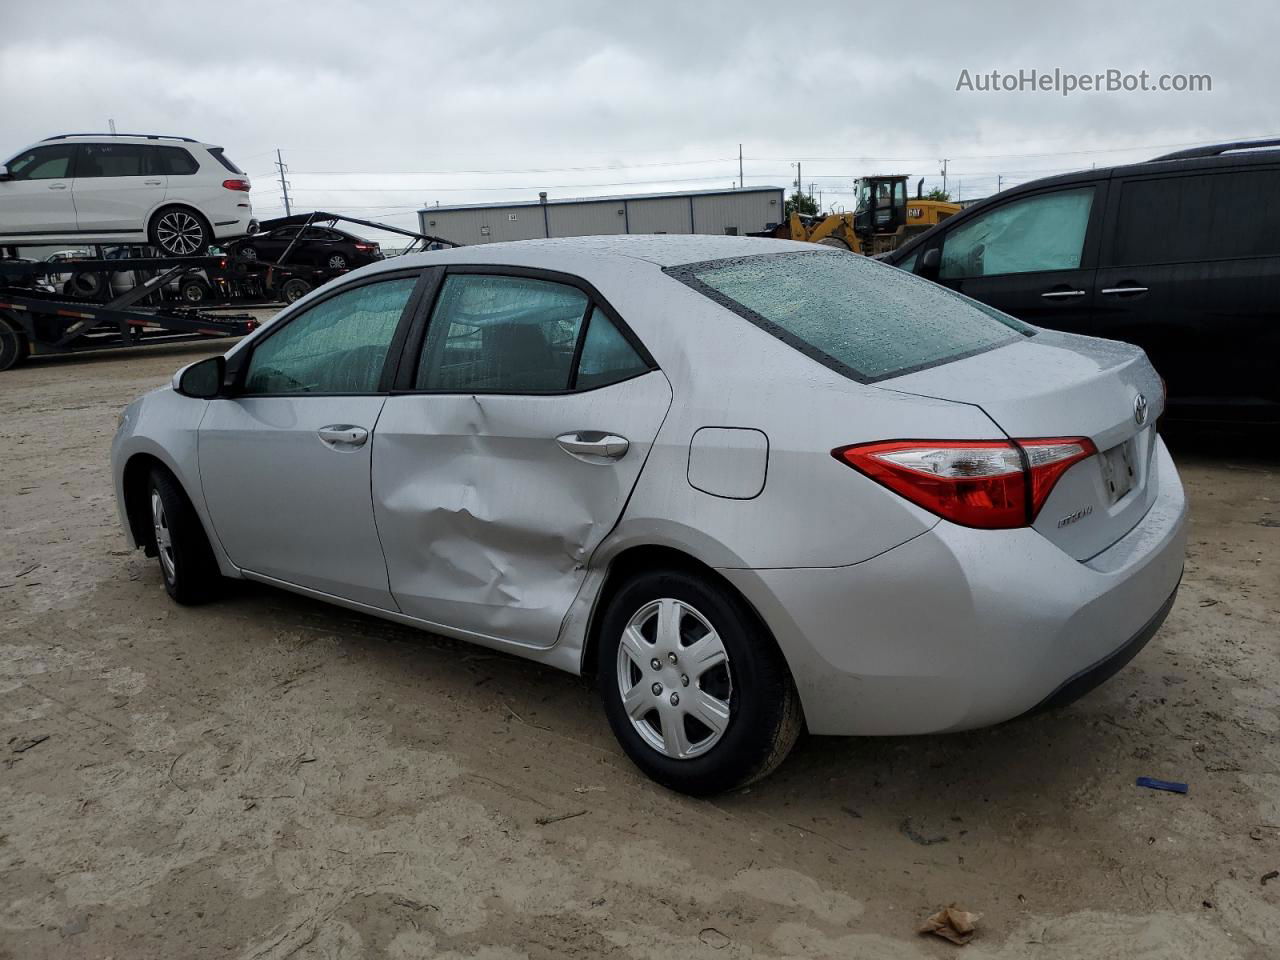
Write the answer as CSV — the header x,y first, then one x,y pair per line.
x,y
1121,291
343,436
57,186
593,446
152,183
1059,294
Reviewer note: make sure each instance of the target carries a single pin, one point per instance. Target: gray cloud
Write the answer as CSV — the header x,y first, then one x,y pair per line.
x,y
413,90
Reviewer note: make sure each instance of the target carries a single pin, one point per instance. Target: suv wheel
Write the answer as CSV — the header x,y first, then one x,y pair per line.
x,y
695,689
181,232
187,563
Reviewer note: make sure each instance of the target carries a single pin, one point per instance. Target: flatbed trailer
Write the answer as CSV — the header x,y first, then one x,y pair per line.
x,y
38,320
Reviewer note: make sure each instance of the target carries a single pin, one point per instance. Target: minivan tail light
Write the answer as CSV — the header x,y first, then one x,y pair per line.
x,y
989,484
236,184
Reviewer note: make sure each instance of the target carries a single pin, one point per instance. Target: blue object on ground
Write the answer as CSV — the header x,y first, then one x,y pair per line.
x,y
1173,786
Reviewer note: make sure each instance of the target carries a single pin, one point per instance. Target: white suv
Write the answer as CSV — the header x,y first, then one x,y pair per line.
x,y
172,192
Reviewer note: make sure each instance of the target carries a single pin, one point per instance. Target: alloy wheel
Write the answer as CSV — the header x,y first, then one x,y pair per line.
x,y
674,678
164,538
179,232
337,262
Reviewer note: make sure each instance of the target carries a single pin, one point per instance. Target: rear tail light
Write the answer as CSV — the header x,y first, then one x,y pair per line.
x,y
366,247
236,184
990,484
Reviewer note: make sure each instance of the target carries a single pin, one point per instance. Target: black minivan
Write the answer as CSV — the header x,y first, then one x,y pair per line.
x,y
1179,255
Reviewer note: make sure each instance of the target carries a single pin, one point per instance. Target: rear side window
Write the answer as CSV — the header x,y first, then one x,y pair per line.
x,y
1044,232
175,162
494,334
607,357
863,319
114,160
1211,216
218,154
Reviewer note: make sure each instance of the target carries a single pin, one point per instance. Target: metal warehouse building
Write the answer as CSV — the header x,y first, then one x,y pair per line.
x,y
742,211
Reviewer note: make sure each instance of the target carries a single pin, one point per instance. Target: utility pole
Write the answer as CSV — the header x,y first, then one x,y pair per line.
x,y
741,183
999,180
284,184
944,176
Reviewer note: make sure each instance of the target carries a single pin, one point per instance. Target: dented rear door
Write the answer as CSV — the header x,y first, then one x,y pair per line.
x,y
487,520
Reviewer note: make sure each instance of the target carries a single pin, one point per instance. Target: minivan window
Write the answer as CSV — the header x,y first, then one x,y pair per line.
x,y
1209,216
863,319
1041,232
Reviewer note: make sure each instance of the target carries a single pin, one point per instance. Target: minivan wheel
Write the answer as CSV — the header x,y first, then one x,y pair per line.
x,y
187,563
181,232
695,689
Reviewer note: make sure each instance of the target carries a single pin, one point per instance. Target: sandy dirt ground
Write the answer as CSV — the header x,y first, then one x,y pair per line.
x,y
269,777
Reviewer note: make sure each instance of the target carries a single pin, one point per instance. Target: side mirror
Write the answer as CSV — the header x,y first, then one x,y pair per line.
x,y
201,380
4,172
932,257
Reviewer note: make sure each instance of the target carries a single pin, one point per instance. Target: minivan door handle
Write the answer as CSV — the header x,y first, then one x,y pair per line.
x,y
1122,291
343,436
593,446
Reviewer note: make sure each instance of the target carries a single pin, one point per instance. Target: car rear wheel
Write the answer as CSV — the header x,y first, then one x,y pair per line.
x,y
14,346
248,253
695,689
187,563
181,232
336,261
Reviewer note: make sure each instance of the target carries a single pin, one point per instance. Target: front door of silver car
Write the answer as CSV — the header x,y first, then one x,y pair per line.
x,y
285,461
522,430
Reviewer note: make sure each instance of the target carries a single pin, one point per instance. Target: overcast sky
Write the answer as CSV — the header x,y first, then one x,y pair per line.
x,y
380,108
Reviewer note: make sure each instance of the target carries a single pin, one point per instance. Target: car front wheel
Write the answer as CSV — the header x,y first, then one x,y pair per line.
x,y
695,689
187,563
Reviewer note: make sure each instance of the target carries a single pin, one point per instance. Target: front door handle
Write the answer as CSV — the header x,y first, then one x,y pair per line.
x,y
1121,291
343,436
1059,294
152,183
593,446
57,186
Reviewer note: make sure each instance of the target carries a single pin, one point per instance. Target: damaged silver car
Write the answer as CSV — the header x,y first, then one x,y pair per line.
x,y
752,486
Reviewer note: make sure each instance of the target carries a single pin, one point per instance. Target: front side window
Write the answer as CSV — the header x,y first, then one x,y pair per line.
x,y
863,319
114,160
42,163
1044,232
497,334
338,346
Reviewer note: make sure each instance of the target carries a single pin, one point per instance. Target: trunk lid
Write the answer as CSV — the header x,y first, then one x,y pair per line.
x,y
1062,385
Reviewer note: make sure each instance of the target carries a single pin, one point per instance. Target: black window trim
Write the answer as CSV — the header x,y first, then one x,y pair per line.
x,y
238,366
406,374
686,273
71,163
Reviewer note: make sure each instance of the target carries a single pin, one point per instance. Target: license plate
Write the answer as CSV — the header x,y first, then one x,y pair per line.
x,y
1117,470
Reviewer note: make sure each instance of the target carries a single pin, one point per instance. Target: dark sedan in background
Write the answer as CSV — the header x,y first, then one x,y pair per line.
x,y
313,245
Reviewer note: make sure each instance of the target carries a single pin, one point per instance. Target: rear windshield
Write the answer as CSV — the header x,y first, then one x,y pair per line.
x,y
866,320
223,159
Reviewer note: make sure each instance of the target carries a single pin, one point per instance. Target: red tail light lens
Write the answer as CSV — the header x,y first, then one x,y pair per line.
x,y
236,184
366,247
989,484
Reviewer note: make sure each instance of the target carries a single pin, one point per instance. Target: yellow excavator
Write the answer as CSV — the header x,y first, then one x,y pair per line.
x,y
882,220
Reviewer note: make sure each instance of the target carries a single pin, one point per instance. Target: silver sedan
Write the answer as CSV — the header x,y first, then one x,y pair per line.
x,y
751,486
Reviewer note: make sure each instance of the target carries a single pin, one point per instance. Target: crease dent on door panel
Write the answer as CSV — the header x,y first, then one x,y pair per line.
x,y
373,512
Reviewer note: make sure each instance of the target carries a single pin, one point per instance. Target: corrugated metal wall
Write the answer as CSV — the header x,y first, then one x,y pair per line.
x,y
744,211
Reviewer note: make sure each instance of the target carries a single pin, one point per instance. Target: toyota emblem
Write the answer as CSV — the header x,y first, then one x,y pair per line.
x,y
1140,409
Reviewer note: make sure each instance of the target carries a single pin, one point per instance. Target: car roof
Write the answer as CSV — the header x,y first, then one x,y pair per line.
x,y
122,138
662,250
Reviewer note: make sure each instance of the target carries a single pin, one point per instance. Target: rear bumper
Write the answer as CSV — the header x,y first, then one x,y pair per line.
x,y
961,628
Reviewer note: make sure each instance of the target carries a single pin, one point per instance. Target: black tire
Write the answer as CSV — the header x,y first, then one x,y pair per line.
x,y
180,232
187,564
14,345
833,242
194,291
294,289
336,262
764,716
88,286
